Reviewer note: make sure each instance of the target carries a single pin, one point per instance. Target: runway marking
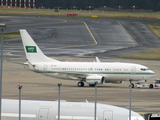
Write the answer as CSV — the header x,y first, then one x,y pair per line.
x,y
91,33
142,113
64,21
82,45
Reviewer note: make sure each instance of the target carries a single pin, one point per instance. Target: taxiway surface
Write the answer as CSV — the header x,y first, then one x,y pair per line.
x,y
81,37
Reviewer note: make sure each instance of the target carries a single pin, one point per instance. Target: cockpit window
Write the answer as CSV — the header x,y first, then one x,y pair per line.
x,y
144,69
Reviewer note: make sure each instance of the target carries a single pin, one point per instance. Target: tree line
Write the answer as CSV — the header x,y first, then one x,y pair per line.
x,y
92,4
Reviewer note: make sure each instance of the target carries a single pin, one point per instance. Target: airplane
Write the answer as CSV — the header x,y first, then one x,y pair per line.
x,y
89,72
48,110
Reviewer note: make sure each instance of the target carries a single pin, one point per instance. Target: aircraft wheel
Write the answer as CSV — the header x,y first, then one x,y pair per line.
x,y
80,84
151,86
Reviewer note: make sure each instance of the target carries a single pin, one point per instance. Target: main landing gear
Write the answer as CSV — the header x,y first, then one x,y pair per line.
x,y
80,84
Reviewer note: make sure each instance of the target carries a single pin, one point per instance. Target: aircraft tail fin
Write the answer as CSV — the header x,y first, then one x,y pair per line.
x,y
32,51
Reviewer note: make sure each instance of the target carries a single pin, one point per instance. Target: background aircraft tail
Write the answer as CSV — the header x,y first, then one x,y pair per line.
x,y
32,51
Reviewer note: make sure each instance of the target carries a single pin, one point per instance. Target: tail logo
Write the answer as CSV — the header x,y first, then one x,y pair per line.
x,y
31,49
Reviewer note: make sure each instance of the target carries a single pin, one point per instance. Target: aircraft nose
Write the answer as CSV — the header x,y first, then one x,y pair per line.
x,y
152,73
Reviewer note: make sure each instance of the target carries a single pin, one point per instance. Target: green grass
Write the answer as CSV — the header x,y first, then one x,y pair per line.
x,y
153,54
81,13
10,35
155,28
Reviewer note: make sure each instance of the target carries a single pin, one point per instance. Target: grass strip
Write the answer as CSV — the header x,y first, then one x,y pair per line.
x,y
153,54
81,13
155,28
10,35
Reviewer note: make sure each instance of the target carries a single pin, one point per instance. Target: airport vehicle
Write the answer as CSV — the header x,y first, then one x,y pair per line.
x,y
147,85
89,72
48,110
152,116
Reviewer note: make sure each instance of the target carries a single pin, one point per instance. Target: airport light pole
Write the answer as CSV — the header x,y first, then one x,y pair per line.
x,y
19,87
130,99
2,27
95,100
59,85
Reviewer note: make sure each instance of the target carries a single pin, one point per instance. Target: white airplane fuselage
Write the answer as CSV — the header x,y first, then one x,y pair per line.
x,y
111,71
48,110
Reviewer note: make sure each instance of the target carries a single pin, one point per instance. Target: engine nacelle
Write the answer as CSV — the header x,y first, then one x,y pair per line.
x,y
95,78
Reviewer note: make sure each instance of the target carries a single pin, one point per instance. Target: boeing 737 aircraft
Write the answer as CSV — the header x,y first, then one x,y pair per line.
x,y
89,72
48,110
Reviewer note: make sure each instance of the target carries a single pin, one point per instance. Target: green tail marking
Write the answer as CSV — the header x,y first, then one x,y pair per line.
x,y
31,49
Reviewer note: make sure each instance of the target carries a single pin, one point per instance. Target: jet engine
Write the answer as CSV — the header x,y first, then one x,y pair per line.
x,y
95,78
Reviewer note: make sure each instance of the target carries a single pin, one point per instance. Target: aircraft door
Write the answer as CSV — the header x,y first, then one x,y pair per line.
x,y
133,71
43,114
107,115
45,69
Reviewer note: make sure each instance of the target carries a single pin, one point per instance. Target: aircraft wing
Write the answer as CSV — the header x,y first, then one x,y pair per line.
x,y
66,75
88,77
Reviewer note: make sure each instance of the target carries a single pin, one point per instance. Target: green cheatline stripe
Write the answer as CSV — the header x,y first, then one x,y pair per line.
x,y
96,73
